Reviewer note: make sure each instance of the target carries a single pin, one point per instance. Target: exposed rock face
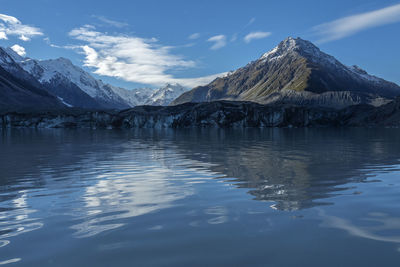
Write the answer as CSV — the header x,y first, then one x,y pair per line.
x,y
221,114
363,115
297,72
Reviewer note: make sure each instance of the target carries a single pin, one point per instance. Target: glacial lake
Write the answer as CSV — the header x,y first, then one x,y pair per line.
x,y
200,197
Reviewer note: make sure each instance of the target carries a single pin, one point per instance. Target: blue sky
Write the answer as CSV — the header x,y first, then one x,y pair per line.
x,y
148,43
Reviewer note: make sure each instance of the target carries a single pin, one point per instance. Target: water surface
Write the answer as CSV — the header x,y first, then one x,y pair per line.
x,y
271,197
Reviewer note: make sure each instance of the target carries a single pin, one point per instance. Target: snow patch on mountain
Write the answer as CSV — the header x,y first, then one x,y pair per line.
x,y
363,74
300,46
65,103
165,95
134,97
81,78
306,48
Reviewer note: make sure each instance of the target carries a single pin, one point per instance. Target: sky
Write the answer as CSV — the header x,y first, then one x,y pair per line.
x,y
149,43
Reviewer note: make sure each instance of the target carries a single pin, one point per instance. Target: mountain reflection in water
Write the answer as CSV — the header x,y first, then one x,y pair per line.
x,y
296,168
80,184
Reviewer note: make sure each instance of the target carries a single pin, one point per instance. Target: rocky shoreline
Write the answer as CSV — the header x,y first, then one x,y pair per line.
x,y
222,114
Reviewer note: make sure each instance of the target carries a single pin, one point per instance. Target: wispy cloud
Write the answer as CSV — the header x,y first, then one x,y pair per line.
x,y
111,22
234,37
12,26
218,40
133,58
68,46
19,50
251,21
255,36
194,36
350,25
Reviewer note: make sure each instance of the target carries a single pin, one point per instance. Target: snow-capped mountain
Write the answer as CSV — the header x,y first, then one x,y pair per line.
x,y
9,62
165,95
78,88
19,90
315,55
134,97
297,72
73,84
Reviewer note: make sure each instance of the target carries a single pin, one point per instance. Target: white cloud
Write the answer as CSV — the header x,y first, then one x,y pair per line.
x,y
218,40
19,50
133,58
3,36
255,36
193,82
194,36
110,22
24,38
350,25
12,26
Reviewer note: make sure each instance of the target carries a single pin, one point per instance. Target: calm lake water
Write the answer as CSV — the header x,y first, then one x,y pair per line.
x,y
272,197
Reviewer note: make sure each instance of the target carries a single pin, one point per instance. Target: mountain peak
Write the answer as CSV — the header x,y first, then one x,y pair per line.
x,y
172,85
165,95
297,43
290,45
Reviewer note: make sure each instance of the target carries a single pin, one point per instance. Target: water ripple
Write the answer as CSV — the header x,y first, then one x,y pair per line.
x,y
145,191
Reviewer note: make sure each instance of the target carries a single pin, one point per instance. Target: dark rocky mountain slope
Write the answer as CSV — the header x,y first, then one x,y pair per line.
x,y
297,72
19,90
16,92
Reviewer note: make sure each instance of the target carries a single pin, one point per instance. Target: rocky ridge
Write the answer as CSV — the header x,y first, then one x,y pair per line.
x,y
220,114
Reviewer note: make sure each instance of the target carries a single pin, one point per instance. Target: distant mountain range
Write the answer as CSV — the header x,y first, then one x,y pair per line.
x,y
297,72
73,87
